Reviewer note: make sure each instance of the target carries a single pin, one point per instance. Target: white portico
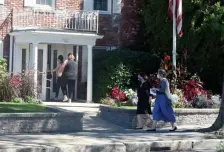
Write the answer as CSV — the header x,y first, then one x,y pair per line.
x,y
29,50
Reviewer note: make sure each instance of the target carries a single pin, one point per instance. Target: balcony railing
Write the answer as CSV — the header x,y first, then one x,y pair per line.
x,y
77,21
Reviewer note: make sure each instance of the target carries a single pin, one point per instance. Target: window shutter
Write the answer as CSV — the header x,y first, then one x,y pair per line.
x,y
2,1
29,3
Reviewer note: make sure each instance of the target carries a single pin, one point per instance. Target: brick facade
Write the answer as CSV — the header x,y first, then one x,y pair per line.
x,y
118,29
5,18
130,23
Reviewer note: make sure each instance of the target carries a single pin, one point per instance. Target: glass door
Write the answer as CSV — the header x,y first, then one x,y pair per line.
x,y
42,70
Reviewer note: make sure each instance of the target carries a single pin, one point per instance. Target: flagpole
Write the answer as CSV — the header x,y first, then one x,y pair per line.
x,y
174,34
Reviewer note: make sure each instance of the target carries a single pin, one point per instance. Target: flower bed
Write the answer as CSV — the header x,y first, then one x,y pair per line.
x,y
125,117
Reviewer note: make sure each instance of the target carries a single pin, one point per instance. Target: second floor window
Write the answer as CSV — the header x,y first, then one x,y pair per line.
x,y
101,5
44,2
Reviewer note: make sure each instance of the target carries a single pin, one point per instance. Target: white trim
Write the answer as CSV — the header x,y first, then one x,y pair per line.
x,y
57,33
56,37
28,3
89,6
33,3
10,54
44,79
1,49
2,2
90,74
77,68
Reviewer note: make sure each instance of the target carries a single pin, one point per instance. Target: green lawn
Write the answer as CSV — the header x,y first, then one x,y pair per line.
x,y
21,107
128,107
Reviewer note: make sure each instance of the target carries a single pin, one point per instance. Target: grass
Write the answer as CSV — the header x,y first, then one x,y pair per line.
x,y
128,107
6,107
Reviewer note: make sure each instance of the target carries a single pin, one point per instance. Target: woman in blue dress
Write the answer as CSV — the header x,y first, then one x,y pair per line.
x,y
163,110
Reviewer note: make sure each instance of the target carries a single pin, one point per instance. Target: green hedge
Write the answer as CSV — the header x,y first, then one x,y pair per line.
x,y
120,68
203,27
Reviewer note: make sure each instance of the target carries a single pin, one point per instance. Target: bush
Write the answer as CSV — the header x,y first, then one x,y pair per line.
x,y
17,87
7,90
3,66
120,68
109,101
17,100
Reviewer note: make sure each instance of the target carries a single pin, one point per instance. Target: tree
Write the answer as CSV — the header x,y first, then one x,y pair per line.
x,y
203,37
218,125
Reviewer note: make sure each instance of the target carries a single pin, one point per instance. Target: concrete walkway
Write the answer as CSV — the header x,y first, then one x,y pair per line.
x,y
100,136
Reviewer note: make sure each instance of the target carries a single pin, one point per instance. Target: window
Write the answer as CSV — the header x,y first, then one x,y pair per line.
x,y
44,2
101,5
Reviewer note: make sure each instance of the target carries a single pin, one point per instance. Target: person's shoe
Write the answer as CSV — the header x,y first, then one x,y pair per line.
x,y
174,129
69,100
151,130
138,128
65,98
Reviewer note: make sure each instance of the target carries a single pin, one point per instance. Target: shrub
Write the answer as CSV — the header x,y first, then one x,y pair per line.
x,y
120,68
17,100
3,66
109,101
7,90
27,86
19,86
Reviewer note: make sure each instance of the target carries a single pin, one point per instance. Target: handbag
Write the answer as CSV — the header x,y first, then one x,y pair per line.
x,y
49,75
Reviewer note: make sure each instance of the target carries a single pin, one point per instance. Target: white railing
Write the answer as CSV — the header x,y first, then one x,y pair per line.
x,y
80,21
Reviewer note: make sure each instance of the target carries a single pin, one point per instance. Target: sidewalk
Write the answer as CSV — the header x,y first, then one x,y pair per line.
x,y
101,136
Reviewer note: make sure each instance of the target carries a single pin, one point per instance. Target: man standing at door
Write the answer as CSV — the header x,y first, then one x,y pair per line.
x,y
70,72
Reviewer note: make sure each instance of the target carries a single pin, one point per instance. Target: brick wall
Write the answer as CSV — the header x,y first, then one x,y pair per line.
x,y
130,22
122,29
110,31
118,29
5,23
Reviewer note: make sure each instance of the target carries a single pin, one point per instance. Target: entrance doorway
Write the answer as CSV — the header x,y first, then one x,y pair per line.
x,y
55,50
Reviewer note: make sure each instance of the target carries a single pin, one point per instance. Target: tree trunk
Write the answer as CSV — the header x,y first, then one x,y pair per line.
x,y
218,125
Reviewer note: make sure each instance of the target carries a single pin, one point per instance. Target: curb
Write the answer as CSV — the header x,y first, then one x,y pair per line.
x,y
182,145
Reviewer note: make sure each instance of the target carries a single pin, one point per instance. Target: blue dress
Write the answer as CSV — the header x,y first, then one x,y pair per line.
x,y
163,110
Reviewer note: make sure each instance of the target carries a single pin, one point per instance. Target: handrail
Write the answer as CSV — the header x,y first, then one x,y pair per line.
x,y
83,21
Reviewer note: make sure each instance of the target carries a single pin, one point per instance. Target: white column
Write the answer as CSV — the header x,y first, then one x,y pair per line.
x,y
77,63
17,59
34,62
44,77
10,54
90,74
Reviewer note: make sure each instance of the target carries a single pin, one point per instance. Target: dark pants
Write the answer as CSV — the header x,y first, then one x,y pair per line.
x,y
60,85
71,88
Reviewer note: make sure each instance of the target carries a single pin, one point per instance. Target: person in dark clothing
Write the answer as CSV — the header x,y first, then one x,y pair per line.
x,y
144,103
70,72
60,79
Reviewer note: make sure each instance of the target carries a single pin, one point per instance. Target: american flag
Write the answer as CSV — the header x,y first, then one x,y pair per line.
x,y
178,14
